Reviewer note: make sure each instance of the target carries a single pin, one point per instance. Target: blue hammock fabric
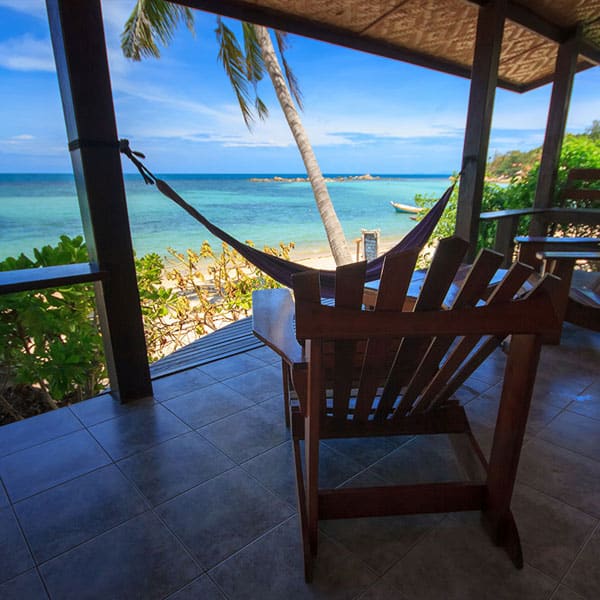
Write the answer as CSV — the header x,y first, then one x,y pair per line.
x,y
280,269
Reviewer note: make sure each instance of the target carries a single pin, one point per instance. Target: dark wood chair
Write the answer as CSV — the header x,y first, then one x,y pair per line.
x,y
579,296
577,214
390,371
571,233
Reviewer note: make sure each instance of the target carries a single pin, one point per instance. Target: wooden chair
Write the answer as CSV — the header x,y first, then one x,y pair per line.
x,y
390,372
579,297
571,232
576,215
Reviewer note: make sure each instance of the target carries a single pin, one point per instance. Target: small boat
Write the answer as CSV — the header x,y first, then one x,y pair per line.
x,y
406,208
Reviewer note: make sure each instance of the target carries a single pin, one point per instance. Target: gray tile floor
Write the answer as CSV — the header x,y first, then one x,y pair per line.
x,y
191,495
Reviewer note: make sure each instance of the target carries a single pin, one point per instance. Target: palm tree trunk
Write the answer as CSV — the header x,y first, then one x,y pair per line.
x,y
333,228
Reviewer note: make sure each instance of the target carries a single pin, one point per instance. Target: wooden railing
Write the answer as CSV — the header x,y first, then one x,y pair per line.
x,y
508,223
23,280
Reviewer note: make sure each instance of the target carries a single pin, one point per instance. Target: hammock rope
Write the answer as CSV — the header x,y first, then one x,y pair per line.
x,y
278,268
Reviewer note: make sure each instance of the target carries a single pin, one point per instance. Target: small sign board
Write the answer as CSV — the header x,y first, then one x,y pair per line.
x,y
370,243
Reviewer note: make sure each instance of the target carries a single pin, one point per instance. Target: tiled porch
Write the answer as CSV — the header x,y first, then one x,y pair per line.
x,y
191,495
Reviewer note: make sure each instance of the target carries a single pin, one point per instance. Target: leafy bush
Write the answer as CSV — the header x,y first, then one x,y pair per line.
x,y
49,339
578,151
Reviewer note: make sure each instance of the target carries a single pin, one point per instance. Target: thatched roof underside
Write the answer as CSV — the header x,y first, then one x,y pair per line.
x,y
436,33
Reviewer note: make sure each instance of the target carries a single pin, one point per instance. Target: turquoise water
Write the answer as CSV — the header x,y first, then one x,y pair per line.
x,y
36,209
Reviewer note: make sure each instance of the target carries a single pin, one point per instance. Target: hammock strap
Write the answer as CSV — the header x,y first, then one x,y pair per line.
x,y
278,268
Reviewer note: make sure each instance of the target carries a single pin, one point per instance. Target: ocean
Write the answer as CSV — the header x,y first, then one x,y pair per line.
x,y
35,209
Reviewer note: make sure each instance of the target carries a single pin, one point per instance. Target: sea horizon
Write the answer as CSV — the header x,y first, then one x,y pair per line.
x,y
36,208
290,174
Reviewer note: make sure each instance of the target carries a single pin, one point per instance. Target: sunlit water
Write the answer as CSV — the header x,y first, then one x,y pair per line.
x,y
36,209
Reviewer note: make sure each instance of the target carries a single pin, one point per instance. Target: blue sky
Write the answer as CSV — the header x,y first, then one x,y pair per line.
x,y
362,113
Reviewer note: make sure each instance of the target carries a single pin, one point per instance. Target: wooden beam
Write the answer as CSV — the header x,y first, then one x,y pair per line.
x,y
484,76
524,16
566,64
82,67
591,53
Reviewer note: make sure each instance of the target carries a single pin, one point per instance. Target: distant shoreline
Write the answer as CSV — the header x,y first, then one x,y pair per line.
x,y
36,209
268,176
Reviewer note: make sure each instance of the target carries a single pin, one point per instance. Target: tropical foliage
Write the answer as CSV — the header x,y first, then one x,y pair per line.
x,y
50,337
50,344
578,151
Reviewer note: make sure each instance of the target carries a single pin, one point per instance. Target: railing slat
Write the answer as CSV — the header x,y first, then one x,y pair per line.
x,y
21,280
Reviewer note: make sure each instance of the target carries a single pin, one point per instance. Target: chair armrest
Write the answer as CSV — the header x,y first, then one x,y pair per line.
x,y
587,216
531,246
510,213
566,254
562,243
273,323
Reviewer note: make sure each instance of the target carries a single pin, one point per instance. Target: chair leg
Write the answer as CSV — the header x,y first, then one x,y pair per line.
x,y
519,379
301,496
285,375
504,533
311,443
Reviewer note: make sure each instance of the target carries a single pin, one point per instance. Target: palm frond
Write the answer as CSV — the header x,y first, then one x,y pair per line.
x,y
282,45
255,66
233,60
261,108
152,22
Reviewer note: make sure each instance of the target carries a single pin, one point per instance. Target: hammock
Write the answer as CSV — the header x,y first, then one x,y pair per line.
x,y
278,268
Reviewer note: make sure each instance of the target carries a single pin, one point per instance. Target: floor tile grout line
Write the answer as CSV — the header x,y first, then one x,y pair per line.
x,y
547,495
132,409
206,570
29,549
87,427
252,542
70,480
578,554
533,487
37,445
419,540
563,447
574,412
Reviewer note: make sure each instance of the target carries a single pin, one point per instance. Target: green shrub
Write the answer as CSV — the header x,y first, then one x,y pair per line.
x,y
50,339
578,151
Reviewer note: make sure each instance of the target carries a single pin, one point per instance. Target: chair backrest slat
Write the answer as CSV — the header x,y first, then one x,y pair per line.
x,y
448,257
505,291
490,343
379,353
582,188
349,286
472,290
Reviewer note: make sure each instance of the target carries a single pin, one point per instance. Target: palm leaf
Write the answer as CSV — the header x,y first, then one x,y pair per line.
x,y
152,22
261,108
255,66
282,45
235,64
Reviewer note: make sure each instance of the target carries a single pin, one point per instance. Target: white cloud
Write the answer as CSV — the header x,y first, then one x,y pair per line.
x,y
22,137
27,53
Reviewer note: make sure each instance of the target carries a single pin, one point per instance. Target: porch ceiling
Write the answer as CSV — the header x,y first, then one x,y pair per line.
x,y
439,34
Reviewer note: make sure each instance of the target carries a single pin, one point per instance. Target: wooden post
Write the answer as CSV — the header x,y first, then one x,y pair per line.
x,y
82,68
484,76
566,64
